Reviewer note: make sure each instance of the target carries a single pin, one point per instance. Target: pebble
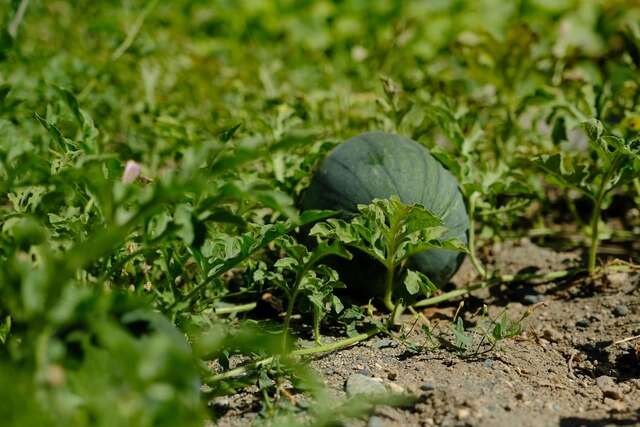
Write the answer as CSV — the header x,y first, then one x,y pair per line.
x,y
385,343
375,421
608,387
395,388
428,386
621,310
358,384
488,363
464,413
583,323
392,376
531,299
618,278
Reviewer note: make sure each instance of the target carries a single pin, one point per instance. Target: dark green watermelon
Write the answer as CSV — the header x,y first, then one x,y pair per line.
x,y
379,165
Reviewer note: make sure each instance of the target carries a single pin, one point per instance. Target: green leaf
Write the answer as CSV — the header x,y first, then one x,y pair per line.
x,y
560,171
336,304
251,242
463,341
56,134
226,134
594,129
287,263
412,282
182,217
5,328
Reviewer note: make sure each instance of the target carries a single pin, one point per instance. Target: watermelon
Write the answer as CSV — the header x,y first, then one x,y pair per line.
x,y
380,165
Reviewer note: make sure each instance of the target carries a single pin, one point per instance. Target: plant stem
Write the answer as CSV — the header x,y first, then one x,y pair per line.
x,y
242,370
472,237
236,308
316,327
133,32
593,248
336,345
395,225
287,317
497,280
12,29
595,215
398,310
388,290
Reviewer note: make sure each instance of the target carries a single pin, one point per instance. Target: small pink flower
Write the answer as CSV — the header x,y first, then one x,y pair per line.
x,y
131,172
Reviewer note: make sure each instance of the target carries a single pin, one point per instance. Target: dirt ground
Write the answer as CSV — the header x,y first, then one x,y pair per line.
x,y
565,369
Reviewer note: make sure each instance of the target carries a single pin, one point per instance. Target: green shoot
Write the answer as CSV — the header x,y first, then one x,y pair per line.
x,y
618,163
391,232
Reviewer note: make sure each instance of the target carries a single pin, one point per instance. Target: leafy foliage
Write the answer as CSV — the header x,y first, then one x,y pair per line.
x,y
391,233
617,164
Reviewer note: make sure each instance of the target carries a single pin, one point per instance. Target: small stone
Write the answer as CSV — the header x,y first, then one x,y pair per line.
x,y
608,387
621,310
428,386
385,343
583,323
531,299
488,363
358,384
395,388
617,279
464,413
556,407
375,421
519,395
392,376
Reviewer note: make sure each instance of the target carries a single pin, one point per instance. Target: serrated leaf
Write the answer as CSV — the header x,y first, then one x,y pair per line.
x,y
463,341
287,263
559,169
594,129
